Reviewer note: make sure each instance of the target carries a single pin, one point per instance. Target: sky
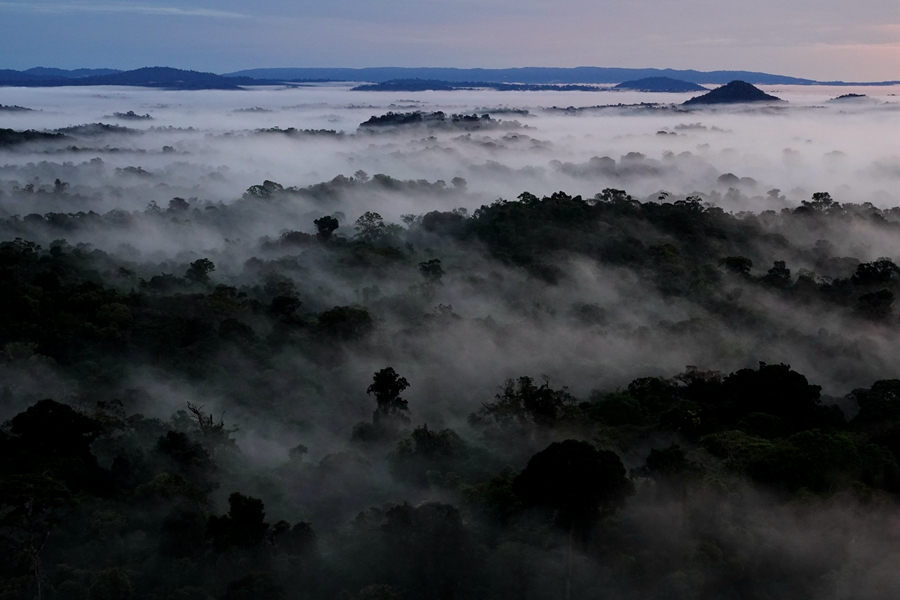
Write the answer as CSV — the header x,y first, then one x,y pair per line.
x,y
818,39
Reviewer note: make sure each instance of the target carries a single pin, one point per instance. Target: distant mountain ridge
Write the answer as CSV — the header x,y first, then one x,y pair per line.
x,y
534,75
171,78
157,77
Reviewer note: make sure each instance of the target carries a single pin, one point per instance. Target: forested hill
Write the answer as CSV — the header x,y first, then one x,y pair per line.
x,y
156,77
346,356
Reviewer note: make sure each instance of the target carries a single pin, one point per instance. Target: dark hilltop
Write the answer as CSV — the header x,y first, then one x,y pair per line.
x,y
660,84
736,92
853,99
155,77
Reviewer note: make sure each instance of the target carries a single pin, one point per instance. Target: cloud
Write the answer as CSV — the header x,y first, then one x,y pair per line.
x,y
103,7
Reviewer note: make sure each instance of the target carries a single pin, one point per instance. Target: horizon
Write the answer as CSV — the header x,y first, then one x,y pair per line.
x,y
663,72
832,42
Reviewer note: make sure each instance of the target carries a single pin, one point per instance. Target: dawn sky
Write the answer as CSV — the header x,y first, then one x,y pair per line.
x,y
820,39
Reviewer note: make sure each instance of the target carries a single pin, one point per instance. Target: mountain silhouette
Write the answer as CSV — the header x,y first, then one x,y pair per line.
x,y
736,92
156,77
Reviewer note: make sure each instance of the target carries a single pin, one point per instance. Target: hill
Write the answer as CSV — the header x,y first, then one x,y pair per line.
x,y
165,77
156,77
660,84
853,99
736,92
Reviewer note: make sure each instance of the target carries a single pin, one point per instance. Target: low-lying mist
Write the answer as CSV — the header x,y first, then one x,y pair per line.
x,y
210,144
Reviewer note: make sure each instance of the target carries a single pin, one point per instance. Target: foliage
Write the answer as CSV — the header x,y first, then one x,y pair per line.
x,y
574,479
387,386
98,500
525,403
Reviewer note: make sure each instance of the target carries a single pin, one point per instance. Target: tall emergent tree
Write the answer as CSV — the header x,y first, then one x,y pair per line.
x,y
578,482
387,386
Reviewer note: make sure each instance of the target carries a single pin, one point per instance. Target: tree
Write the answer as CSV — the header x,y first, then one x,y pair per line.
x,y
880,272
574,479
49,427
778,276
215,434
523,402
879,406
616,408
736,264
774,390
667,463
54,439
31,506
297,541
430,545
346,323
266,190
821,202
325,227
370,226
578,482
284,306
876,306
613,196
244,526
387,386
427,454
431,270
199,270
297,453
178,205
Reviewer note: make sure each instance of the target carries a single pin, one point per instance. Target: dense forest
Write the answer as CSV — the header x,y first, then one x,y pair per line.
x,y
546,397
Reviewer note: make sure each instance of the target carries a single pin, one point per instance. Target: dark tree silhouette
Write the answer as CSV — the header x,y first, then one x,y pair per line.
x,y
244,526
346,323
774,390
370,226
431,270
524,402
199,270
387,386
578,482
325,227
284,306
736,264
879,272
879,405
778,276
876,306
